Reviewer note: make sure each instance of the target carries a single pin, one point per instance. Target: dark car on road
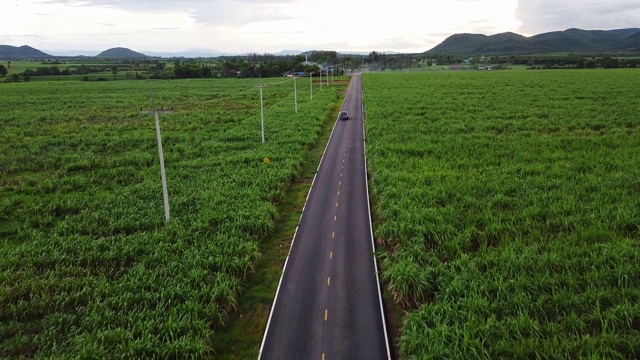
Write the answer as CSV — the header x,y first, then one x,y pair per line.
x,y
344,115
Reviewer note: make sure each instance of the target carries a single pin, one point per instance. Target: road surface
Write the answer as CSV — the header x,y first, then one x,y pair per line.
x,y
328,305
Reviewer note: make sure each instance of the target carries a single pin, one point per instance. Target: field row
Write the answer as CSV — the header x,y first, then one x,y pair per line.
x,y
510,204
88,267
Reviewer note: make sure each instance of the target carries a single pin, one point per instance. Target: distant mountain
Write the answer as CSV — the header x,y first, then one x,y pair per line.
x,y
120,52
630,43
22,52
288,53
571,40
72,53
188,54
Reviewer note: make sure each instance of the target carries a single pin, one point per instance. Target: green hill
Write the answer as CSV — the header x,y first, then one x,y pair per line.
x,y
22,52
571,40
630,43
120,52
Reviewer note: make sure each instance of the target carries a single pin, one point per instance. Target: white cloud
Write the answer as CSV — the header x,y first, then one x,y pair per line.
x,y
540,16
241,26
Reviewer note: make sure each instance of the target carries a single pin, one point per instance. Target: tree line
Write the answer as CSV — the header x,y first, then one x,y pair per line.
x,y
569,61
268,65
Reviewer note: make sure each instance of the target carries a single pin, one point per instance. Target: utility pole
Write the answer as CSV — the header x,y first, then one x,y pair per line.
x,y
262,113
311,85
295,92
163,173
327,75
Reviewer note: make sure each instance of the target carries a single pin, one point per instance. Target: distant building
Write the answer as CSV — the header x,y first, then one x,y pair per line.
x,y
292,74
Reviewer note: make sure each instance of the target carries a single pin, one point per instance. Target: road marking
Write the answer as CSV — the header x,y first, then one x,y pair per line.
x,y
331,256
338,193
322,356
340,183
336,204
326,315
329,281
333,235
335,218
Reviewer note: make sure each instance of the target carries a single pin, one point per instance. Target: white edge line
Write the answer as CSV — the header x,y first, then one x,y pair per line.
x,y
373,245
284,268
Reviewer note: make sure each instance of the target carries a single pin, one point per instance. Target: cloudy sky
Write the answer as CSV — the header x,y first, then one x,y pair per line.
x,y
244,26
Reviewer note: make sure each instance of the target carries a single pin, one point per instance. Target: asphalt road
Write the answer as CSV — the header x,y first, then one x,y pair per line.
x,y
327,305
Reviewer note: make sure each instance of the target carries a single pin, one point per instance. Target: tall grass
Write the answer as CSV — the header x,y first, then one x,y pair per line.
x,y
511,205
88,268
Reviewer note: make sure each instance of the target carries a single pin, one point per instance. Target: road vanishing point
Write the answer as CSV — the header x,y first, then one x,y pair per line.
x,y
328,303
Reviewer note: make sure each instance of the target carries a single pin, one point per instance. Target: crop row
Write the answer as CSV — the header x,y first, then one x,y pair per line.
x,y
510,203
88,267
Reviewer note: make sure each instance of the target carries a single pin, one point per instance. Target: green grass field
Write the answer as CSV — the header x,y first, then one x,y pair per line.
x,y
17,66
125,71
509,204
88,267
20,66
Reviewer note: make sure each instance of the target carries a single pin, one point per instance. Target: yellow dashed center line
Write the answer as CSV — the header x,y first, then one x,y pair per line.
x,y
331,256
323,356
329,281
326,315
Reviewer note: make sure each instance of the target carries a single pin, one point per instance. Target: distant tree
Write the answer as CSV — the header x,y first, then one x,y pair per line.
x,y
15,77
298,60
3,71
191,70
609,63
114,71
373,57
589,64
